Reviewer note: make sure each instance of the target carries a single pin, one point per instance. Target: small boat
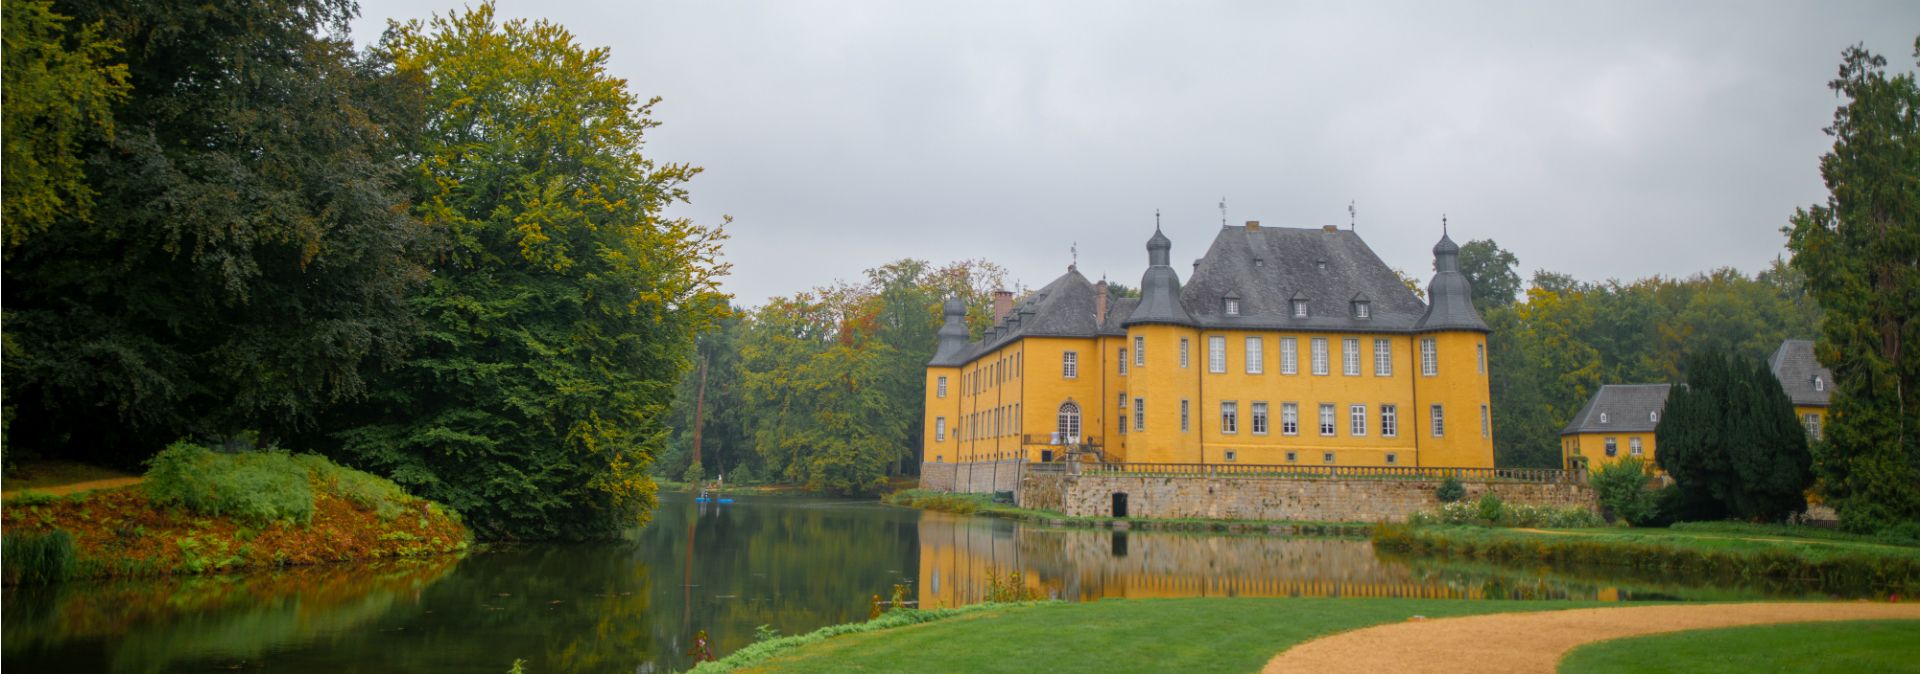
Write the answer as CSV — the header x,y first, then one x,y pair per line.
x,y
708,499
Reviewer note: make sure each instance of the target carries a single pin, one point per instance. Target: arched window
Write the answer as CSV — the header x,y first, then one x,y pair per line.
x,y
1069,428
1819,384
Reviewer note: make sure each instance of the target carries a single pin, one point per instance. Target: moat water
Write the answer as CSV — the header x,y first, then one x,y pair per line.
x,y
791,563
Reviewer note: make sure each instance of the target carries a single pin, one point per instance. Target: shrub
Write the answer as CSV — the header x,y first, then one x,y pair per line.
x,y
38,557
254,486
1450,491
1491,510
369,491
742,475
694,475
1622,489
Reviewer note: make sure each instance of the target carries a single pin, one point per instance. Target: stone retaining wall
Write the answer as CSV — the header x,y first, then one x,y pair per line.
x,y
980,477
1249,498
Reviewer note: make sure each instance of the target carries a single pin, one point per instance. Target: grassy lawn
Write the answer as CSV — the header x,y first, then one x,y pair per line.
x,y
1849,647
1117,635
1833,564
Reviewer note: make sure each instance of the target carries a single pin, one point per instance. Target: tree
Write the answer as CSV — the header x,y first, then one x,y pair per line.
x,y
1730,440
562,305
1490,270
60,86
246,254
1857,252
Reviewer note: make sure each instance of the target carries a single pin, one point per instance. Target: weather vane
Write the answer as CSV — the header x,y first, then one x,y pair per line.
x,y
1074,250
1223,212
1352,215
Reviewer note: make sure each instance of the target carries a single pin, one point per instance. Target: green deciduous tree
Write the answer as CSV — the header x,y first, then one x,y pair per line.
x,y
1858,252
562,303
247,254
59,87
1731,442
1492,272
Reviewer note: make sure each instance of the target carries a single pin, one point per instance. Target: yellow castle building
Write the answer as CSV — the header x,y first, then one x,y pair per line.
x,y
1285,346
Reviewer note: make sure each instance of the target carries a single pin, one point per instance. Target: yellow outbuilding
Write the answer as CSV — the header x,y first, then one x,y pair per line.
x,y
1807,383
1618,421
1286,346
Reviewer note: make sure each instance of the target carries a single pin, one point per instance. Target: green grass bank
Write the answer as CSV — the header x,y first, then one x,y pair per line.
x,y
199,511
1862,647
1114,635
1855,564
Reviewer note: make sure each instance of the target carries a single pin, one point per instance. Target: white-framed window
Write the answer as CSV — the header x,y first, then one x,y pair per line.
x,y
1256,355
1293,457
1389,421
1813,426
1319,355
1613,447
1232,456
1259,418
1429,357
1183,415
1633,446
1123,361
1603,417
1439,421
1299,308
1289,419
1122,402
1289,355
1357,420
1382,357
1067,425
1393,459
1486,425
1069,365
1480,357
941,387
1350,356
939,429
1217,353
1819,383
1233,307
1327,423
1139,414
1362,310
1183,352
1326,457
1229,417
1654,416
1139,351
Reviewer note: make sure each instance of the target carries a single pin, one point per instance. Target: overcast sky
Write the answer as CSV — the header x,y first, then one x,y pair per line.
x,y
1604,139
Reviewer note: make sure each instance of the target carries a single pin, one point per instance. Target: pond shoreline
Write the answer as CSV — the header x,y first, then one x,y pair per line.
x,y
983,505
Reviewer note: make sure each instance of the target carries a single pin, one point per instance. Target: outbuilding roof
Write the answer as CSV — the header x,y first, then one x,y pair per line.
x,y
1621,408
1806,381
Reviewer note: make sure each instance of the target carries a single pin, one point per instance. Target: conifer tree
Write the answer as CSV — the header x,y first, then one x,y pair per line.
x,y
1729,440
1858,252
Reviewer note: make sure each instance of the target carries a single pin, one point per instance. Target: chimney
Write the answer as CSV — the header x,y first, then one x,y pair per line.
x,y
1100,303
1329,229
1253,225
1002,303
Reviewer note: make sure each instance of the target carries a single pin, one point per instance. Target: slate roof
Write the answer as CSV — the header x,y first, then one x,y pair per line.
x,y
1626,407
1063,308
1267,267
1795,366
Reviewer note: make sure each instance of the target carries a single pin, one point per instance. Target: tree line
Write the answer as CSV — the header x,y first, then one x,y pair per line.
x,y
443,258
823,388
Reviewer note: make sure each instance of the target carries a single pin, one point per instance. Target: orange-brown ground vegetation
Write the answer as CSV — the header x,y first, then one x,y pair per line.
x,y
122,532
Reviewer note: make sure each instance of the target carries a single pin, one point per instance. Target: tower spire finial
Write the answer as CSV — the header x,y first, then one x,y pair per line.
x,y
1443,224
1156,219
1074,250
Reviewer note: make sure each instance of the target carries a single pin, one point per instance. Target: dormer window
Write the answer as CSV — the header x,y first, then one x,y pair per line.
x,y
1362,309
1299,308
1819,384
1603,417
1233,307
1653,416
1259,262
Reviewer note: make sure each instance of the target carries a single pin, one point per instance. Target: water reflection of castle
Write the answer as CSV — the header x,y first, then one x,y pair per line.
x,y
959,556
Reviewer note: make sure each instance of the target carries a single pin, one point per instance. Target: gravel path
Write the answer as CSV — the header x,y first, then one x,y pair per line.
x,y
1534,642
76,487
